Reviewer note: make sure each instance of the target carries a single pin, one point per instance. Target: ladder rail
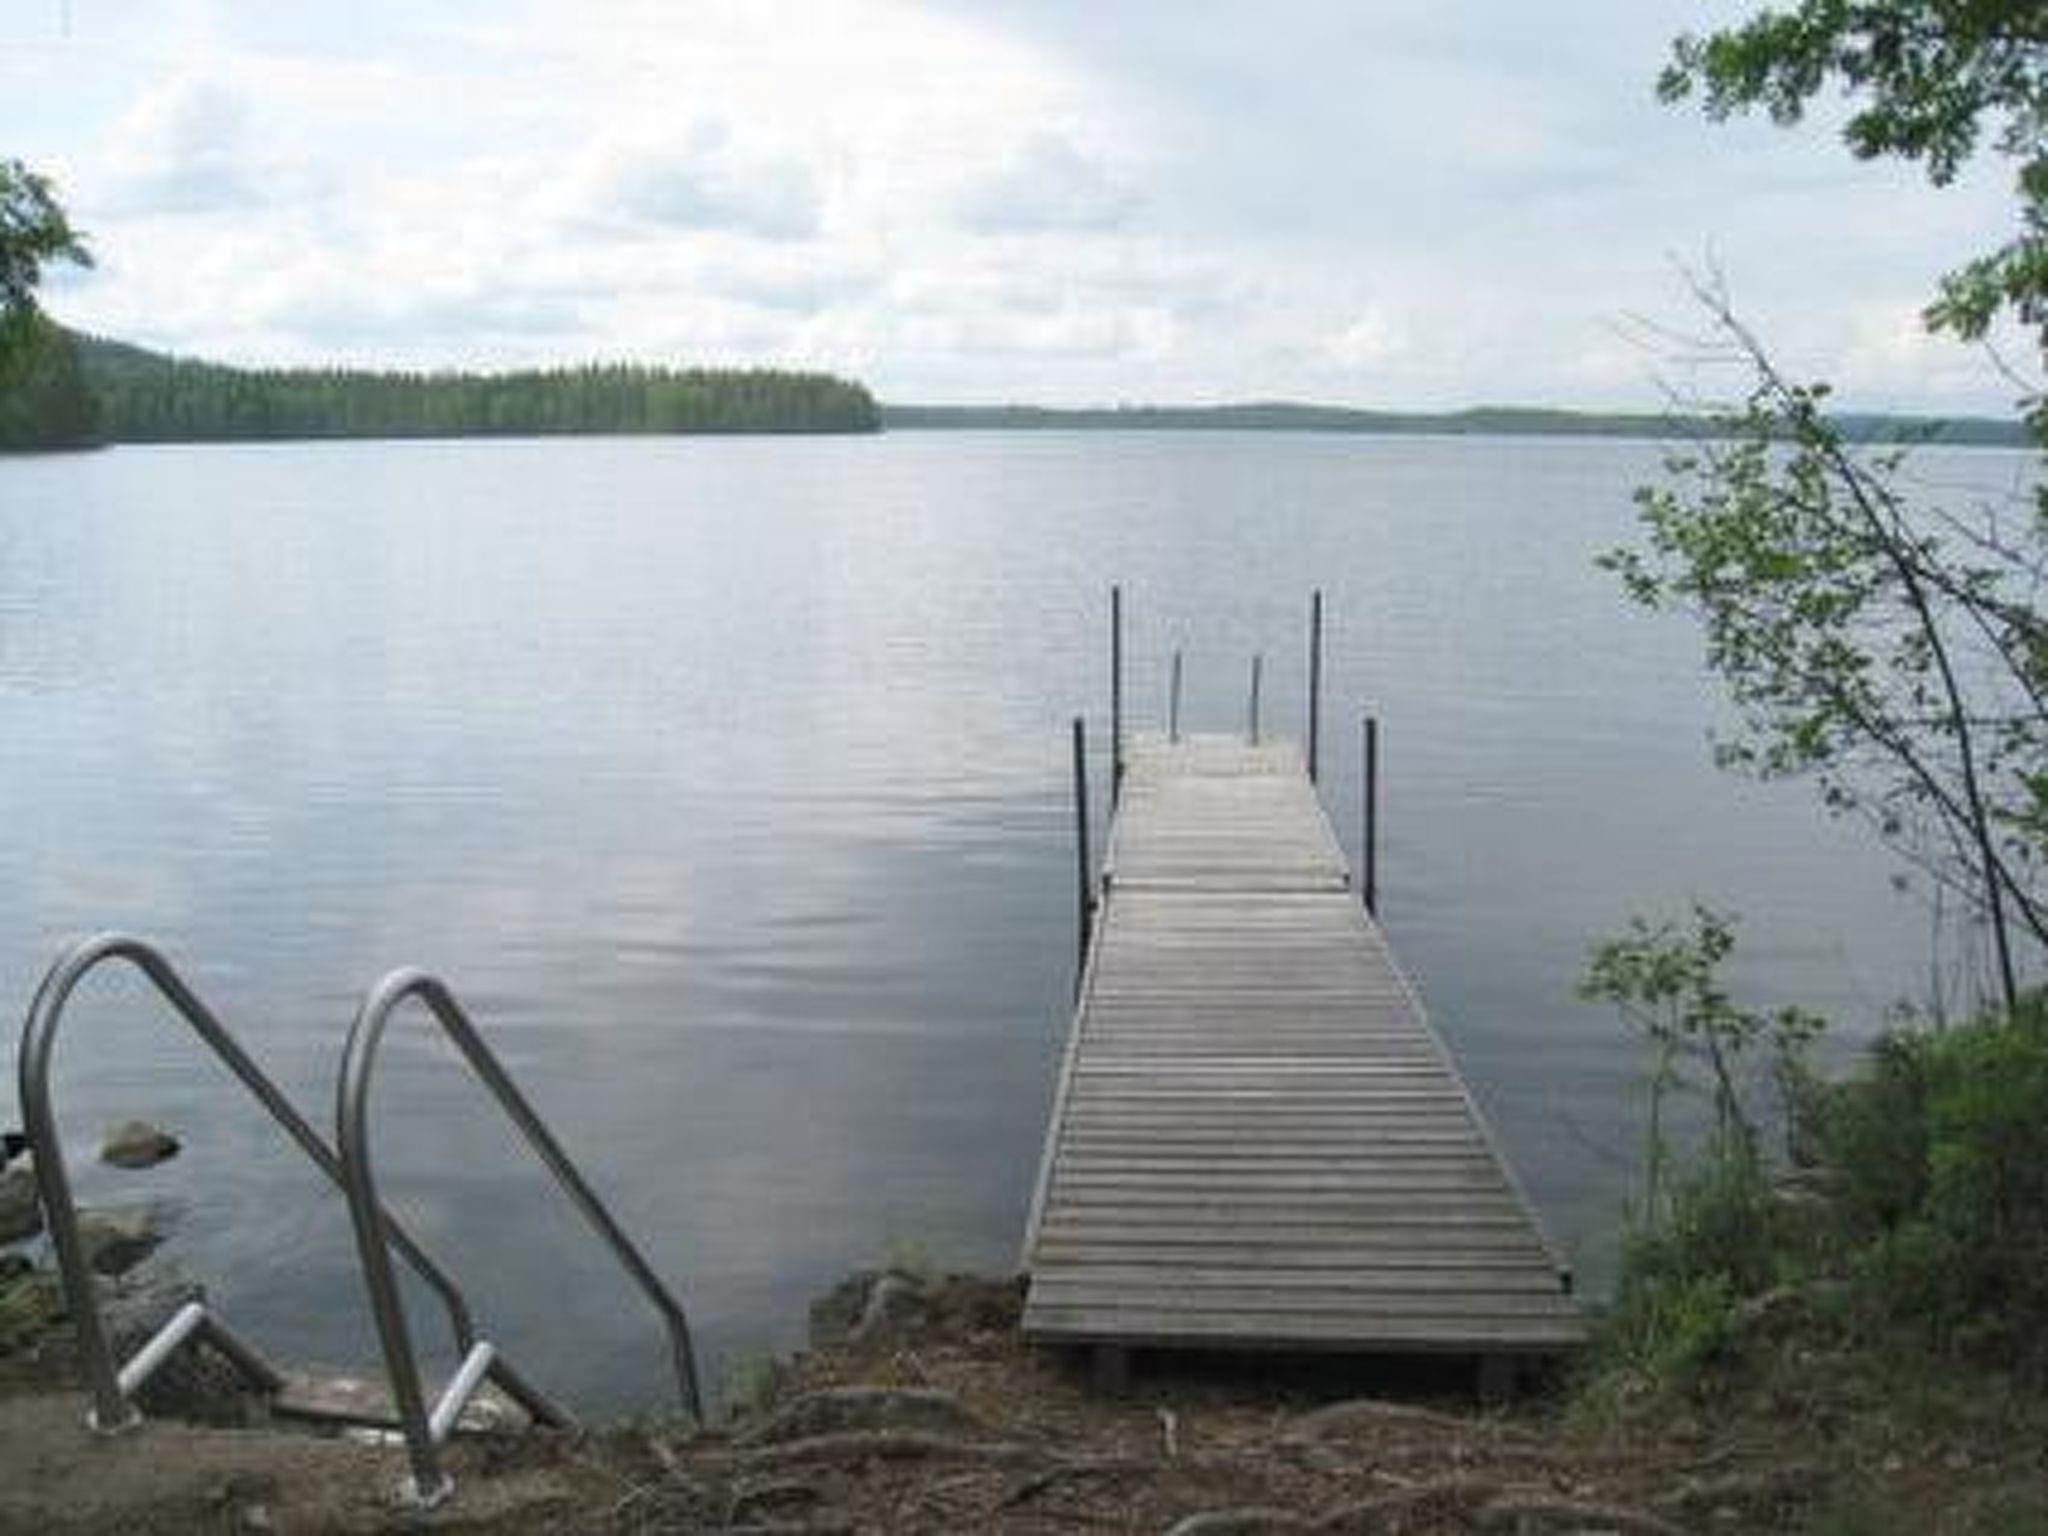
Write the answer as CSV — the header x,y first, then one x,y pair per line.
x,y
111,1408
423,1427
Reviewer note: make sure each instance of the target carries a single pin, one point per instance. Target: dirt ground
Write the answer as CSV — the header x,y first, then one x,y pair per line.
x,y
942,1421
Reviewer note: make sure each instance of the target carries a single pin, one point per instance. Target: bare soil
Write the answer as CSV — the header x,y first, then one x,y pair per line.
x,y
943,1421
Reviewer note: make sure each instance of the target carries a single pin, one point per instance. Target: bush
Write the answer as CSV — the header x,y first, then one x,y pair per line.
x,y
1724,1236
1927,1171
1936,1161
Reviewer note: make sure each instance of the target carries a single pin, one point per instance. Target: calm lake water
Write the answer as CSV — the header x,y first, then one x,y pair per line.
x,y
726,780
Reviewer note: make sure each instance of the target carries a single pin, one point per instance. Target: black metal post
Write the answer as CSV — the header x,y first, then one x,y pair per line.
x,y
1315,679
1116,693
1085,912
1173,703
1258,666
1370,801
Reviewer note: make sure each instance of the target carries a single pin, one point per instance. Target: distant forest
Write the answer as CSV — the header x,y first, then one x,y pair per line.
x,y
1481,421
75,390
69,390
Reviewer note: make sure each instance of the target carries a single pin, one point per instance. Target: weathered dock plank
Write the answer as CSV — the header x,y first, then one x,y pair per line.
x,y
1257,1140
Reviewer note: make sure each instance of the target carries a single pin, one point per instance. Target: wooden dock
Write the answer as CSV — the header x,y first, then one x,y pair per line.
x,y
1257,1139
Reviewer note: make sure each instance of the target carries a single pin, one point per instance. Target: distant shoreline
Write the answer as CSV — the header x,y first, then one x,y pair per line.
x,y
87,391
1479,421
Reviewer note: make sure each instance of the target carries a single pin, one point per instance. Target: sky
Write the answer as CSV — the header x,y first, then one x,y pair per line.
x,y
1414,204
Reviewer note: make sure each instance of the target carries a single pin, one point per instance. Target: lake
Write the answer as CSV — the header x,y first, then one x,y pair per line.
x,y
726,780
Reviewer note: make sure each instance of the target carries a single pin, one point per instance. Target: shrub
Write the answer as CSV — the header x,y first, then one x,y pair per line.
x,y
1936,1159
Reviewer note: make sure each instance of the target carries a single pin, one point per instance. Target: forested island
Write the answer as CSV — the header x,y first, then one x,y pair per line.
x,y
74,391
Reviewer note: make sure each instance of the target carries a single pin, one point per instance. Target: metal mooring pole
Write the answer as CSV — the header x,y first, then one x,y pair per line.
x,y
1370,801
1315,679
1085,904
1116,693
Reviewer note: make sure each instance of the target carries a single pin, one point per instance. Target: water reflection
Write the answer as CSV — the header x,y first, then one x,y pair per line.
x,y
725,781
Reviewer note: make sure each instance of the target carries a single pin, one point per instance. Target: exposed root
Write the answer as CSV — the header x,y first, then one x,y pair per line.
x,y
1242,1522
1527,1516
1029,1488
855,1447
1447,1498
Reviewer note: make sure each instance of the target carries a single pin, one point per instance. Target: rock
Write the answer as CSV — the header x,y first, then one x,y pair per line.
x,y
117,1240
196,1383
867,1308
13,1266
21,1212
30,1305
895,1303
834,1314
138,1144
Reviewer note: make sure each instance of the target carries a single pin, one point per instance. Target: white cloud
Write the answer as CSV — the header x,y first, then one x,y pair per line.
x,y
1422,202
1048,184
182,148
1371,340
708,180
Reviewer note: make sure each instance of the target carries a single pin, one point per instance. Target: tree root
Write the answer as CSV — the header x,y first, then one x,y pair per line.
x,y
1250,1521
1454,1496
1523,1516
1029,1488
863,1445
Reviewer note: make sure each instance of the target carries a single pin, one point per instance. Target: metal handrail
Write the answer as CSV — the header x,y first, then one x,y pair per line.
x,y
111,1406
425,1430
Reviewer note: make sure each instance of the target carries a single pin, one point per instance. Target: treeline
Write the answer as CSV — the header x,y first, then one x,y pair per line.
x,y
1480,421
66,390
148,397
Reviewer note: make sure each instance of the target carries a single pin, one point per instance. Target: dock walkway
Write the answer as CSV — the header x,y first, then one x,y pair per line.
x,y
1257,1140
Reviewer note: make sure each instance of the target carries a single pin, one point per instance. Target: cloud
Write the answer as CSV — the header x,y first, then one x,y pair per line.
x,y
1371,340
1048,184
709,181
182,148
1420,202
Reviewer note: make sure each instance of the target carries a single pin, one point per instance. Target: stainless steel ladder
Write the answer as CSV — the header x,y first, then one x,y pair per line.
x,y
112,1386
426,1430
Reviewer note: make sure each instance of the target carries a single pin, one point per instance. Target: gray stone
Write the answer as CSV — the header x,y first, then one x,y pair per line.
x,y
21,1213
894,1303
117,1240
138,1144
835,1314
197,1383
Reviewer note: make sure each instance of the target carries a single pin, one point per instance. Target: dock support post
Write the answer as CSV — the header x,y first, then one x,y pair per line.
x,y
1369,799
1258,667
1315,679
1109,1369
1496,1381
1116,693
1085,909
1173,703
